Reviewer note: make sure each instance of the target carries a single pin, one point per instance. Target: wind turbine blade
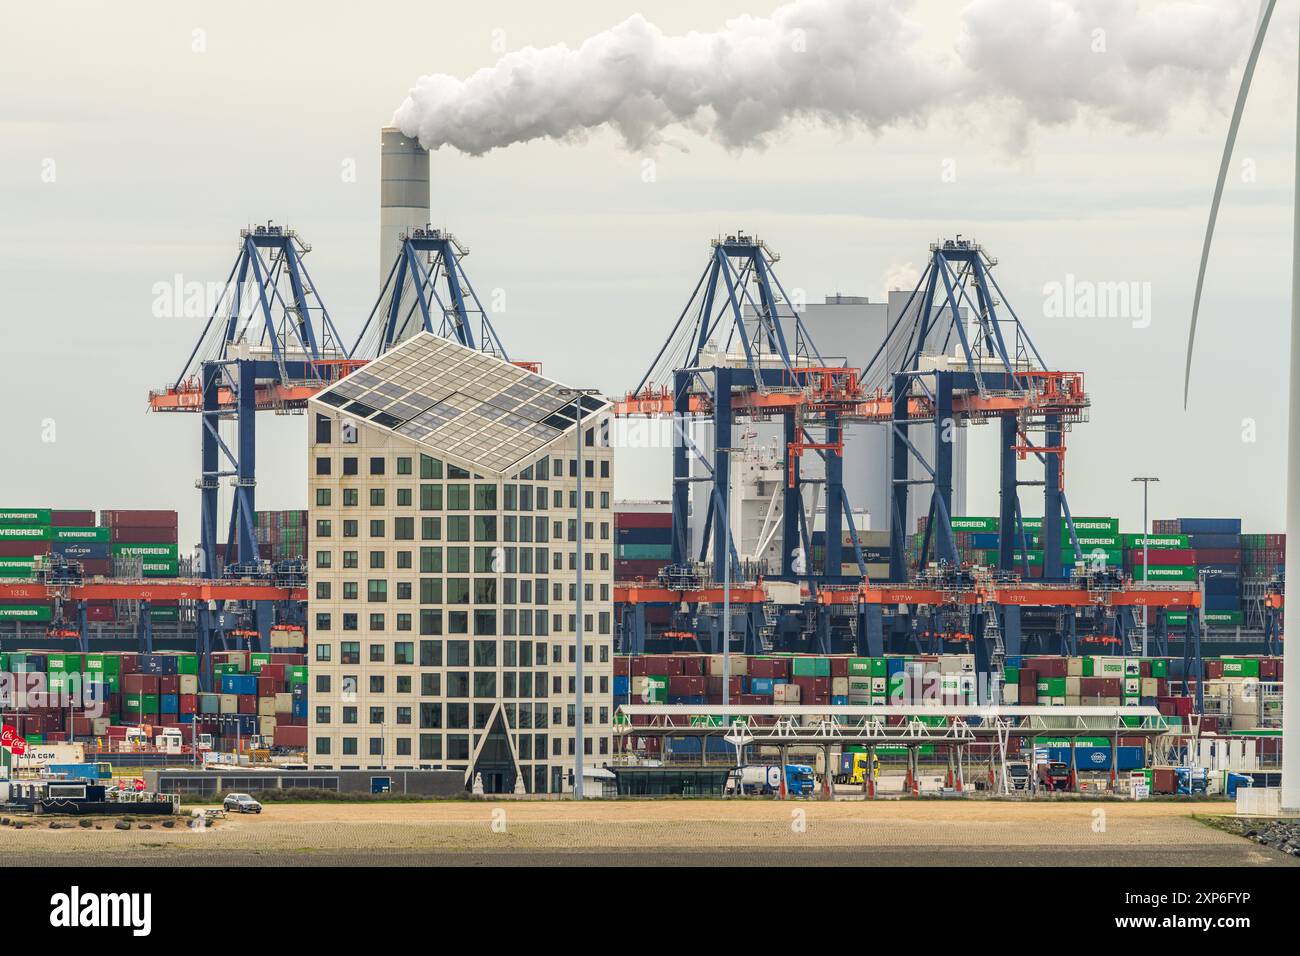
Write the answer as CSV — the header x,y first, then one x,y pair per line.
x,y
1266,13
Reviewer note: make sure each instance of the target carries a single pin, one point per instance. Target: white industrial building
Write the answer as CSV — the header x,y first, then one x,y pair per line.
x,y
848,330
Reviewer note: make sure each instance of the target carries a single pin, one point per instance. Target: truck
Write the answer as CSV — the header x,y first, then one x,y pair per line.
x,y
760,779
853,768
1054,775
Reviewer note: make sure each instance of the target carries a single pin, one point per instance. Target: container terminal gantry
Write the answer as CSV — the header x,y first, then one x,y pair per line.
x,y
957,355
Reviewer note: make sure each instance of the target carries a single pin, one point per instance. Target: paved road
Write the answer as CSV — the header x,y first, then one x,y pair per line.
x,y
1242,854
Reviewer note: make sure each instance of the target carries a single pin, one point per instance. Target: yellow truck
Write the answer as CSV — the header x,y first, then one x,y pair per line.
x,y
853,768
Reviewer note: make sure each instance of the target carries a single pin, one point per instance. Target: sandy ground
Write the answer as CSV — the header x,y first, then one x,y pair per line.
x,y
659,832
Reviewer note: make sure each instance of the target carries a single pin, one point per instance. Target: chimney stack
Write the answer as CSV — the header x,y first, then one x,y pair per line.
x,y
403,194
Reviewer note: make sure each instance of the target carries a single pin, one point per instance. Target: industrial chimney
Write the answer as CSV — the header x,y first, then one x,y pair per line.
x,y
403,194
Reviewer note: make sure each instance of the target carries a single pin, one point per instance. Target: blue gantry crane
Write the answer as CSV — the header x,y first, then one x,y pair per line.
x,y
427,290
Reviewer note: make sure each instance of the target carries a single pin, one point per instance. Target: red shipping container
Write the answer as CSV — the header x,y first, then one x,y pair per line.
x,y
839,667
247,704
1218,556
735,685
638,666
622,666
136,683
1050,666
94,566
101,613
146,535
187,703
643,519
683,685
273,671
72,519
694,664
266,686
1028,678
169,684
1029,692
769,667
23,549
1213,669
664,664
128,664
290,736
1160,557
138,519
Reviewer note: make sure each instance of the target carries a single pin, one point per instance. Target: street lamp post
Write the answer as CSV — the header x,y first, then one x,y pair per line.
x,y
1146,534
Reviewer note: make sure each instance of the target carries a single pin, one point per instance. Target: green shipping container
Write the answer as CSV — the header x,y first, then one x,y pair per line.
x,y
106,663
17,567
80,534
1159,667
65,662
298,674
1082,526
24,533
860,667
187,664
1051,686
1240,667
1011,675
158,552
960,524
811,667
656,689
26,612
1172,572
159,569
1155,542
645,552
24,516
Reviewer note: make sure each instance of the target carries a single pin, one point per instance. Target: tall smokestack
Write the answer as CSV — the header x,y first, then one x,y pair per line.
x,y
403,194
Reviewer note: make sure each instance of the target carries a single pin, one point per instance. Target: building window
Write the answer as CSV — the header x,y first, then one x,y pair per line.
x,y
322,497
350,652
323,559
376,466
430,467
403,652
322,624
322,466
349,466
376,497
323,429
323,650
324,528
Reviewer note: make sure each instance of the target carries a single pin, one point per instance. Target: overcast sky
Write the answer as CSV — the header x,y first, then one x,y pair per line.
x,y
139,140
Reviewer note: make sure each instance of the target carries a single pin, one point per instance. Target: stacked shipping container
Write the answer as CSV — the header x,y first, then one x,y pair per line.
x,y
255,694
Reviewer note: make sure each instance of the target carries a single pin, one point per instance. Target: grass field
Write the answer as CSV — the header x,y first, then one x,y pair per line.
x,y
756,832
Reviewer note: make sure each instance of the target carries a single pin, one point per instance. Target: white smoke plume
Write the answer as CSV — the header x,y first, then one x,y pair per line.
x,y
847,64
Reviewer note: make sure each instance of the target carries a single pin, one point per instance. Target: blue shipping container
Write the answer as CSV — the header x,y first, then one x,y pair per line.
x,y
1214,540
239,684
761,686
621,686
1209,525
169,703
1098,758
82,550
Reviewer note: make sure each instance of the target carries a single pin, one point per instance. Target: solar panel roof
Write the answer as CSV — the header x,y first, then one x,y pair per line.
x,y
459,401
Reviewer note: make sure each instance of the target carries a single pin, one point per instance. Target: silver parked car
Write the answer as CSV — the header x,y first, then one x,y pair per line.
x,y
241,803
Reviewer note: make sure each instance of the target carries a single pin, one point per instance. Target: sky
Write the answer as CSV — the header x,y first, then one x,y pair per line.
x,y
139,142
